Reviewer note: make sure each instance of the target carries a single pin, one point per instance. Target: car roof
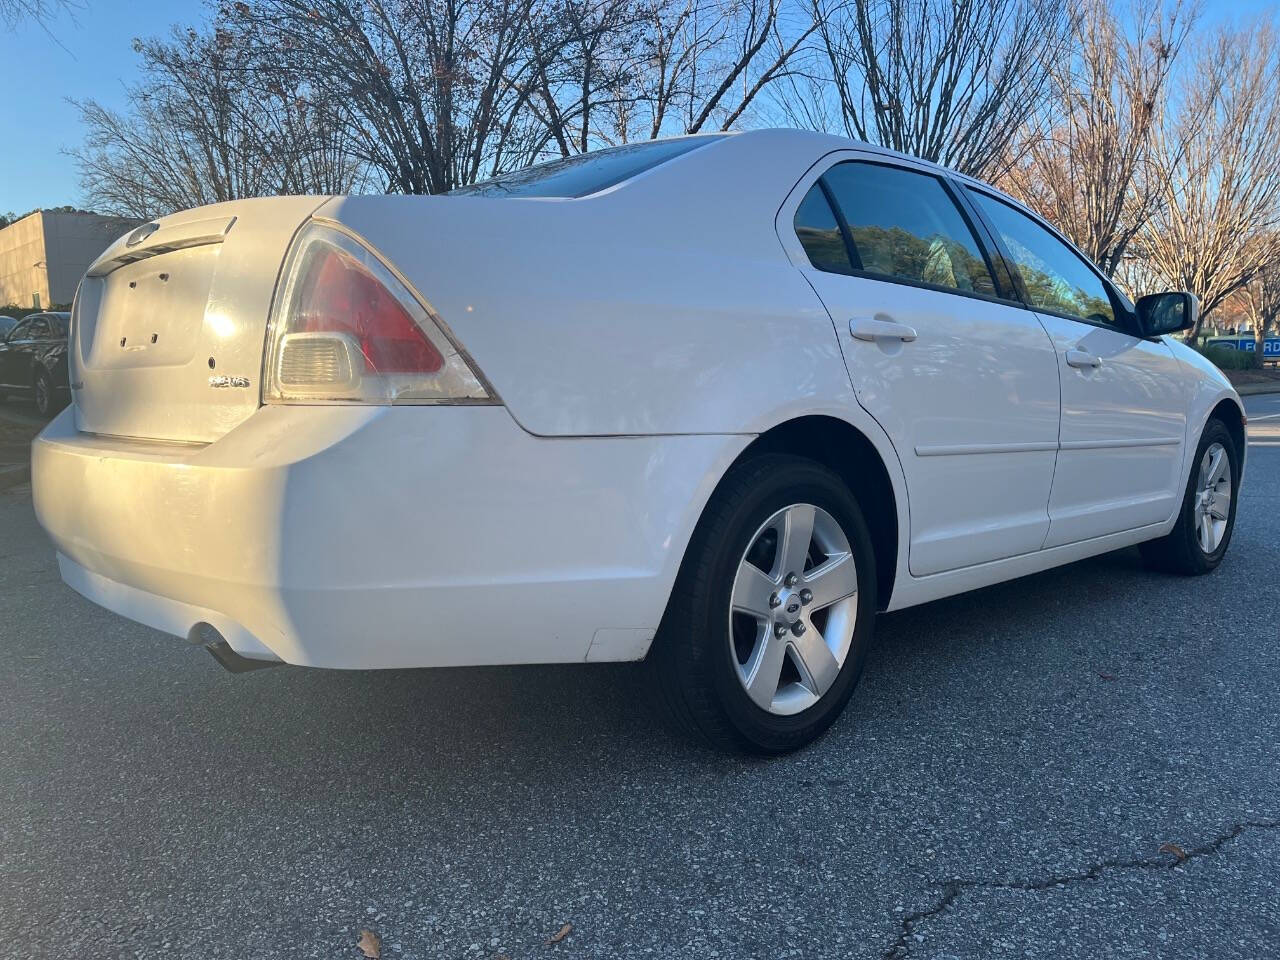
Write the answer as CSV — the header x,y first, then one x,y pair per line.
x,y
828,142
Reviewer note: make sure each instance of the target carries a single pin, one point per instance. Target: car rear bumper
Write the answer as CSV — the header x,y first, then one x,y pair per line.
x,y
381,536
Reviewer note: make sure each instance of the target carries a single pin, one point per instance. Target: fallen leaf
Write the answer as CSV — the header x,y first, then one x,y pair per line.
x,y
370,945
1106,676
560,934
1174,850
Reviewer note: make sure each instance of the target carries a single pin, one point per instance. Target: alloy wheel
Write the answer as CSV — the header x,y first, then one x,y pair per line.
x,y
1213,497
793,609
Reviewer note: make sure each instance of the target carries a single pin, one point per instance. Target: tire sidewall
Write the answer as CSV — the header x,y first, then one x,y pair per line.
x,y
796,481
1214,432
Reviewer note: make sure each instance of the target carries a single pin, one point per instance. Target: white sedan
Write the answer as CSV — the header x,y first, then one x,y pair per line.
x,y
712,401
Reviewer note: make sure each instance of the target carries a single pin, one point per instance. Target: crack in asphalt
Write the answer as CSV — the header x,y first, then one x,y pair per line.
x,y
953,889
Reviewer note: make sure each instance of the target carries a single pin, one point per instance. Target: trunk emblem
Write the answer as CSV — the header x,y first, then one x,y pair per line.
x,y
222,382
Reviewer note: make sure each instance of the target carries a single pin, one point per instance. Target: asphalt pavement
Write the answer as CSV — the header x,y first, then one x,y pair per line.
x,y
1083,763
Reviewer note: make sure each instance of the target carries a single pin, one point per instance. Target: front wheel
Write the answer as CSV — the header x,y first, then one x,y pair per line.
x,y
1200,538
769,621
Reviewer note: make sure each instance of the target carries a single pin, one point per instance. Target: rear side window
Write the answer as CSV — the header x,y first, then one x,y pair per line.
x,y
586,173
819,233
1057,280
904,225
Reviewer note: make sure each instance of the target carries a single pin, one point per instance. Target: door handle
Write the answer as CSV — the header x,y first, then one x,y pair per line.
x,y
868,328
1080,359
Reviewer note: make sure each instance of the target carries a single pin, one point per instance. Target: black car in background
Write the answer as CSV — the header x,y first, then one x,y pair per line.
x,y
33,360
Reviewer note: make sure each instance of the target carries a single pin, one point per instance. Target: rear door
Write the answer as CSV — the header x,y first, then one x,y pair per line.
x,y
962,378
1123,402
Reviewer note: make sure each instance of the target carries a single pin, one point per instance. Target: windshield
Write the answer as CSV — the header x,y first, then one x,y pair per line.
x,y
585,173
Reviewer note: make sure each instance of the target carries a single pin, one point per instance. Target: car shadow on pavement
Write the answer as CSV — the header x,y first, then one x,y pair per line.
x,y
493,717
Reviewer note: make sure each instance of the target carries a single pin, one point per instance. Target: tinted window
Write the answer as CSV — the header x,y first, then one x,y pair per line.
x,y
586,173
38,328
22,331
819,233
1057,280
906,226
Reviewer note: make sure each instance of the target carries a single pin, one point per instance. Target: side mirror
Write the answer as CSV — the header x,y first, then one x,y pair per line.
x,y
1161,313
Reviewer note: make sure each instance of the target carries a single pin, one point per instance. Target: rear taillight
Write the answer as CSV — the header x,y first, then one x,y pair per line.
x,y
345,328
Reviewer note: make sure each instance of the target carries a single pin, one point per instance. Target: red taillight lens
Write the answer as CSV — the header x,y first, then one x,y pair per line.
x,y
346,329
337,295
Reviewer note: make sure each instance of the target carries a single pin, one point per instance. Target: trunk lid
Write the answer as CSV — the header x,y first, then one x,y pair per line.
x,y
169,324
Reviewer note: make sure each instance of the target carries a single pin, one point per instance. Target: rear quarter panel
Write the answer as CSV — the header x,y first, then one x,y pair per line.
x,y
665,305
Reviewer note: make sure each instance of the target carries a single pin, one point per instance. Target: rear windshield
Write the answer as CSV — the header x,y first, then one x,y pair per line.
x,y
585,173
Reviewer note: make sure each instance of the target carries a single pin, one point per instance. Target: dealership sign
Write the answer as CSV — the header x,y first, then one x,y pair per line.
x,y
1270,346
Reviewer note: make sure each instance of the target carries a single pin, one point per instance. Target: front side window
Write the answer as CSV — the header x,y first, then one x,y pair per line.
x,y
904,225
1057,280
22,331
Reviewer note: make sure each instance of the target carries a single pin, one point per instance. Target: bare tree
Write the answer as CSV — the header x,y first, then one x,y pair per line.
x,y
1214,228
701,64
582,58
14,12
1093,173
434,92
1262,305
951,81
200,129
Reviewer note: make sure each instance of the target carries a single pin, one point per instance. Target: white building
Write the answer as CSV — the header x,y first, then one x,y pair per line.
x,y
44,255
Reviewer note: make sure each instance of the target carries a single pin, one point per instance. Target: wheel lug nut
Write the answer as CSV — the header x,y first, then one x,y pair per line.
x,y
791,580
774,601
798,628
806,596
779,630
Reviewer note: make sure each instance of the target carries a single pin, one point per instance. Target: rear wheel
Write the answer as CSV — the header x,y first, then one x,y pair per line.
x,y
1200,538
769,621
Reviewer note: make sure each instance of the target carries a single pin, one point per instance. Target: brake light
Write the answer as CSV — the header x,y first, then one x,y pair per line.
x,y
341,297
345,328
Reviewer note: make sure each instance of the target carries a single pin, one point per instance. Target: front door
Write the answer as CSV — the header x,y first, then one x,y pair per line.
x,y
1123,412
963,379
14,355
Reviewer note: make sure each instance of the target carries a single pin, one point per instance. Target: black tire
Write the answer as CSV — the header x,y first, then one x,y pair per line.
x,y
42,393
1180,551
691,663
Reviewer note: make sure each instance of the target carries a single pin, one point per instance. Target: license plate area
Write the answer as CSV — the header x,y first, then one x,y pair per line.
x,y
147,314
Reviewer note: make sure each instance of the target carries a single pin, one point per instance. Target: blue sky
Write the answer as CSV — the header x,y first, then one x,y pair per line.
x,y
37,76
91,55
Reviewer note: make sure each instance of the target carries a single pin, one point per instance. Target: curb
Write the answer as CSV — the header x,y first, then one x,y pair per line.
x,y
1255,389
12,474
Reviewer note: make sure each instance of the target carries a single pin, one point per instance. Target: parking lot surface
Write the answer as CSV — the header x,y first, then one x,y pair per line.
x,y
1002,785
